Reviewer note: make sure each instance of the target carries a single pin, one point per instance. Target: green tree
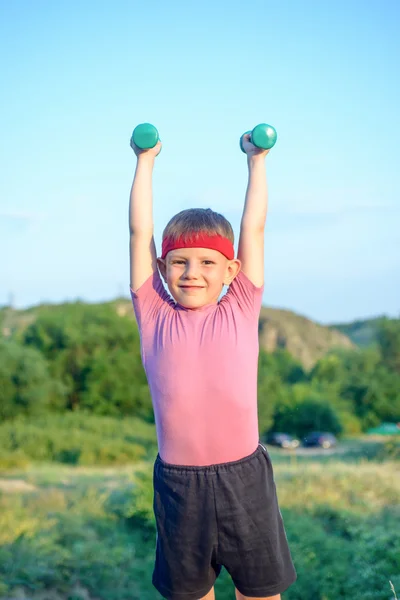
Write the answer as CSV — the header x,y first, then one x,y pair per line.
x,y
116,384
330,369
96,354
276,372
363,381
389,343
283,364
300,417
25,384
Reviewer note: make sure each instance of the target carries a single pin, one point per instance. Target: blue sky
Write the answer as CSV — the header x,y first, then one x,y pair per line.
x,y
78,76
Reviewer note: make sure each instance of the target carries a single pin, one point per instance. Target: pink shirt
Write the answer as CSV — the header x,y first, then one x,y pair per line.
x,y
201,365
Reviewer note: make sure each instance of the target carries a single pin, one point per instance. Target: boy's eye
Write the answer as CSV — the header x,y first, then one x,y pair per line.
x,y
182,262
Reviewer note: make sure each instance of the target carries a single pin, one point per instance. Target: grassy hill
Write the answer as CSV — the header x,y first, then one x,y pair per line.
x,y
305,339
363,332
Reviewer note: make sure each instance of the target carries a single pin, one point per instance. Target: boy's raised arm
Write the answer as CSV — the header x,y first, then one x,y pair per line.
x,y
142,250
251,241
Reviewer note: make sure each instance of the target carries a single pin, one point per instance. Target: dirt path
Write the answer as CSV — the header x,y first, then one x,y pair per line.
x,y
16,486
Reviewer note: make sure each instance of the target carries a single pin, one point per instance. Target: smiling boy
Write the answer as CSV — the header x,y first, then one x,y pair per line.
x,y
215,500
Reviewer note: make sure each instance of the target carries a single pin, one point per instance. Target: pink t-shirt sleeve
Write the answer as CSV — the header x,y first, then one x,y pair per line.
x,y
149,299
246,295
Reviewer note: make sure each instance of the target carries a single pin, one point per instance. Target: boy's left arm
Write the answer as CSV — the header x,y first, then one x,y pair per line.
x,y
251,241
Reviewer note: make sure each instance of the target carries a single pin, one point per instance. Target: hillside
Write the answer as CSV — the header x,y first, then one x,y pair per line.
x,y
361,332
303,338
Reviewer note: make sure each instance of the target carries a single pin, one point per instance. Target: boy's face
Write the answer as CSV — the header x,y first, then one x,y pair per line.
x,y
196,276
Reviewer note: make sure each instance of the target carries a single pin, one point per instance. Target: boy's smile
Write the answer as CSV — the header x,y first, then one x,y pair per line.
x,y
196,276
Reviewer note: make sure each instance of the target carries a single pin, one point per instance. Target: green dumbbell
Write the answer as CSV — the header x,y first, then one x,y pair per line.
x,y
263,136
145,136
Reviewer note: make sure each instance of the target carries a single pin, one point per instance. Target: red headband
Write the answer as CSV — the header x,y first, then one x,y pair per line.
x,y
202,240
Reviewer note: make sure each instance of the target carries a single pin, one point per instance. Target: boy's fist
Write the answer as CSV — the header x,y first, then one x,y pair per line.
x,y
249,148
258,141
150,152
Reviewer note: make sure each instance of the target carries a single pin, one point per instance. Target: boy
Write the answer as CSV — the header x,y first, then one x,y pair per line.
x,y
214,494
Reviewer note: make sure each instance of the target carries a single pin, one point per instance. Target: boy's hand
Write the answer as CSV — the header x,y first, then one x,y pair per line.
x,y
251,149
150,152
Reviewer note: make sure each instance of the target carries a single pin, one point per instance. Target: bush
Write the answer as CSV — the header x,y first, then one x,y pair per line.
x,y
390,450
305,411
136,506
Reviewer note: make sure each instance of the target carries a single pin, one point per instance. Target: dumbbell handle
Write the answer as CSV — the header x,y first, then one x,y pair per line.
x,y
263,136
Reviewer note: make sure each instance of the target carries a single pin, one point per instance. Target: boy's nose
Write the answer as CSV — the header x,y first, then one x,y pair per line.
x,y
191,271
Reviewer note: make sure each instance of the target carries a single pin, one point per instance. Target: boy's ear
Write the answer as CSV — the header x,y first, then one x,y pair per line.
x,y
163,268
232,269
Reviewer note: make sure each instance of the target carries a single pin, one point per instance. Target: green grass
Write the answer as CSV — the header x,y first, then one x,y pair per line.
x,y
75,438
87,533
349,450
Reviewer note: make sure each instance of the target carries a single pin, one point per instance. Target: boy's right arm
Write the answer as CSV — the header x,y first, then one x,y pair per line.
x,y
142,249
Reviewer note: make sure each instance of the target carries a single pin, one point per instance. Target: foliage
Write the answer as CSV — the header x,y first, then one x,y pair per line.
x,y
363,381
75,438
390,450
26,387
78,357
276,372
305,410
389,342
364,332
95,353
340,519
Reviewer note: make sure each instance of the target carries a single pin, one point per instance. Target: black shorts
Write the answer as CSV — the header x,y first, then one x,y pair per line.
x,y
219,515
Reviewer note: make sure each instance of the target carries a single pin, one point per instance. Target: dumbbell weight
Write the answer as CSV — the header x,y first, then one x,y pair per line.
x,y
263,136
145,136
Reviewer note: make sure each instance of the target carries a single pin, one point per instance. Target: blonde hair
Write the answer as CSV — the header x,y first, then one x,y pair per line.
x,y
192,221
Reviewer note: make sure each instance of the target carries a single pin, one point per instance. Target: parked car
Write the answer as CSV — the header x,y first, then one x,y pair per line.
x,y
321,439
284,440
